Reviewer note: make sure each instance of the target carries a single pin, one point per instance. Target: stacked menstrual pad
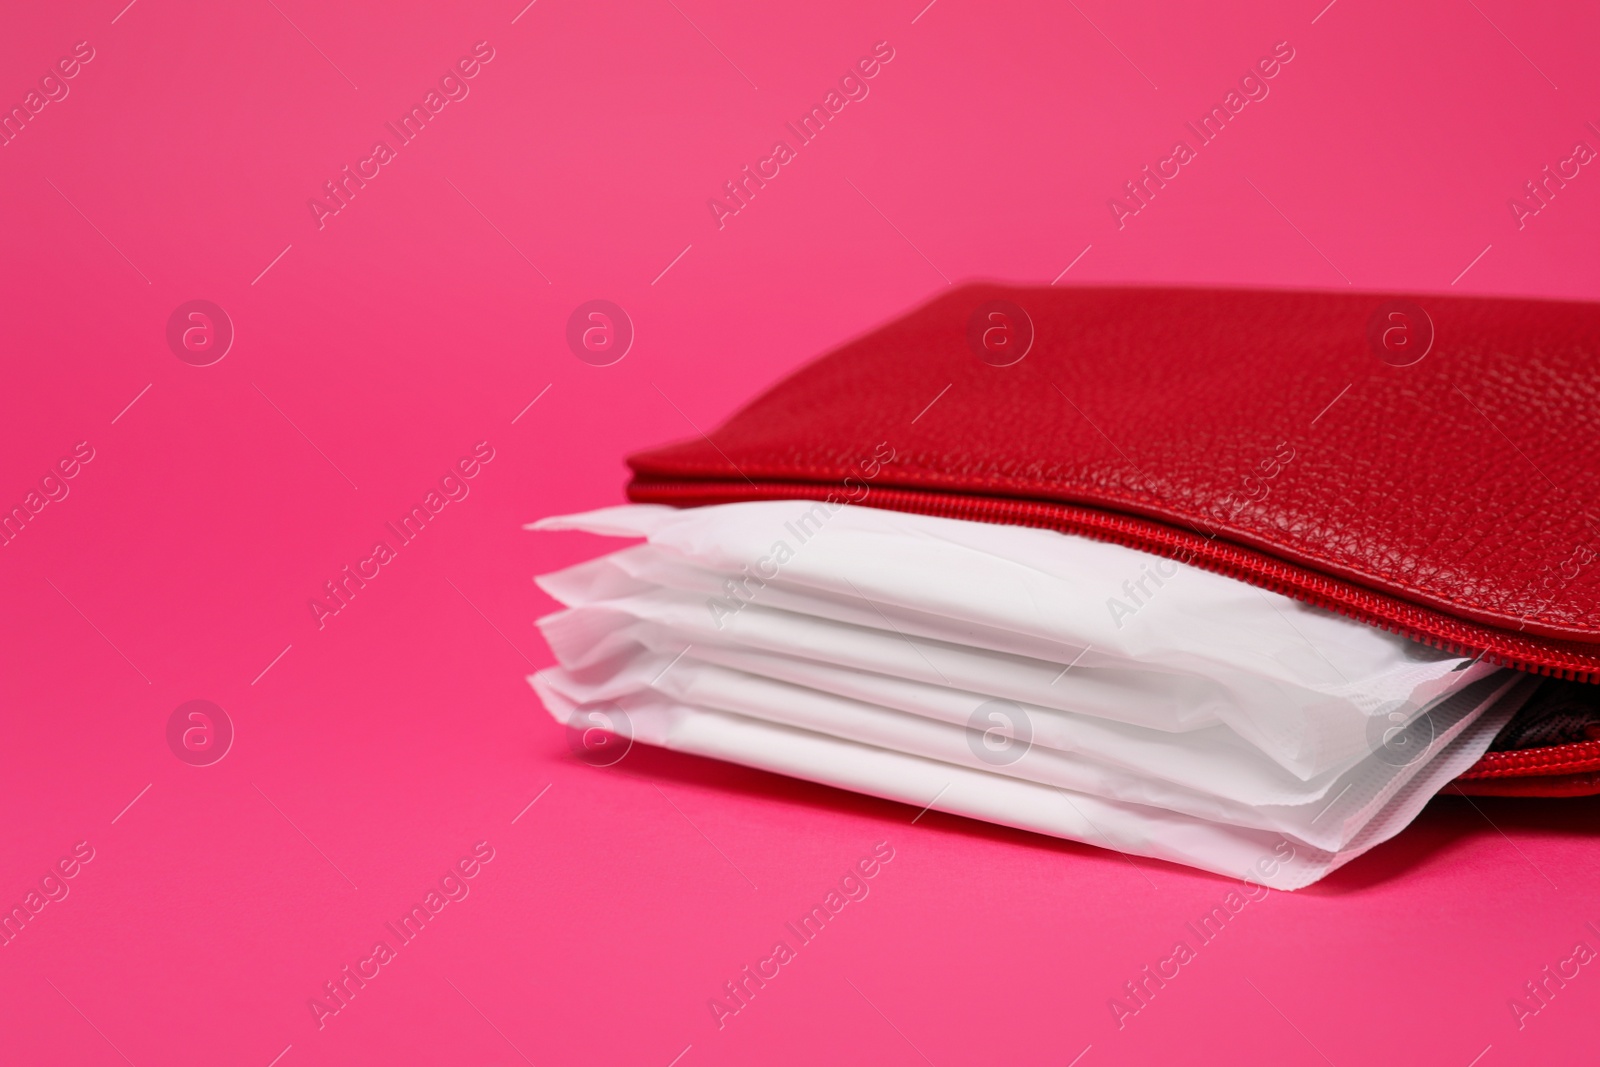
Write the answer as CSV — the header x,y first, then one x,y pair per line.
x,y
1025,677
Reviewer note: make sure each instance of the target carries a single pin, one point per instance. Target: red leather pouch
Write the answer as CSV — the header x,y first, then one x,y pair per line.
x,y
1424,464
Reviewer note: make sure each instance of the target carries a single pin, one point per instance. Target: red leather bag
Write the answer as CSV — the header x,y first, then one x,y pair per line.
x,y
1425,464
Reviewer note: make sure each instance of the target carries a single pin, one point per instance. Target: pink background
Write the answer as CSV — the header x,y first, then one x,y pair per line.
x,y
377,750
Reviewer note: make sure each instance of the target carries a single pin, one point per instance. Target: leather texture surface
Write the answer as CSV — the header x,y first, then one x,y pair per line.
x,y
1463,482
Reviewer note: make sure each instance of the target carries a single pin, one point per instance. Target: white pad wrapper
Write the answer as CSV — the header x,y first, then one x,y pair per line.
x,y
1021,676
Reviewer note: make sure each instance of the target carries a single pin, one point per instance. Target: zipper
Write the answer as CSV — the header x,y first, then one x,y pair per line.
x,y
1429,626
1574,757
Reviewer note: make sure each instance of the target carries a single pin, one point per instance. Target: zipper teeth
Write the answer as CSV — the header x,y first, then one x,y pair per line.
x,y
1571,758
1423,625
